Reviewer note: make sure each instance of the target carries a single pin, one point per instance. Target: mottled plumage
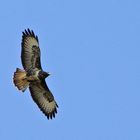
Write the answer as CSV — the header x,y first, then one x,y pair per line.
x,y
33,75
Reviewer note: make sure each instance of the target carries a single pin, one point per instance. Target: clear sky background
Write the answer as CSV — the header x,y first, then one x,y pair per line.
x,y
92,50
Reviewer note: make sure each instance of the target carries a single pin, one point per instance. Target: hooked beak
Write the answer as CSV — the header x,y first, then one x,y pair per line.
x,y
49,73
43,74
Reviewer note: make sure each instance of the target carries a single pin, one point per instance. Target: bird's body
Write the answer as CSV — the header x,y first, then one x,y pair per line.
x,y
33,75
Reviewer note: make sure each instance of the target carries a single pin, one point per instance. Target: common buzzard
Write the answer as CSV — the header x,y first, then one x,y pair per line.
x,y
33,75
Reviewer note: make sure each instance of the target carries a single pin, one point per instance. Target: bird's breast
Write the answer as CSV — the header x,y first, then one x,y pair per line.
x,y
33,75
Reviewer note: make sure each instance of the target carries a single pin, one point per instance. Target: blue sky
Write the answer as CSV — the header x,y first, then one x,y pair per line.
x,y
92,50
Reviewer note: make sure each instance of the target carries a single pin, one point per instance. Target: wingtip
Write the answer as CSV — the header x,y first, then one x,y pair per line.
x,y
28,32
51,115
47,117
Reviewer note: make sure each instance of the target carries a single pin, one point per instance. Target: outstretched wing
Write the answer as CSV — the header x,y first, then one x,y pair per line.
x,y
30,54
43,98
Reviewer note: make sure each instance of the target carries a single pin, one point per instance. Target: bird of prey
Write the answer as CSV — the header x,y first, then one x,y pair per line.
x,y
33,76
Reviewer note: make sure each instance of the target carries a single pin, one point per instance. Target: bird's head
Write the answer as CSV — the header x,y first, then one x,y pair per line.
x,y
43,74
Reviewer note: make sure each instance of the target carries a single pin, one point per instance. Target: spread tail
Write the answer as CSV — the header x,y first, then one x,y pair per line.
x,y
20,79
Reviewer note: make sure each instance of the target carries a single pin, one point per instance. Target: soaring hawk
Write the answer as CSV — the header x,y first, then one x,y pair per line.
x,y
33,75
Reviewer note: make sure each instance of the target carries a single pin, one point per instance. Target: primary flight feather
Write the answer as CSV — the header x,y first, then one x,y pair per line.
x,y
33,75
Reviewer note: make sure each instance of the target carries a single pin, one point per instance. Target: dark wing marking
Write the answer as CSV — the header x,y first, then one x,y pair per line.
x,y
43,98
30,54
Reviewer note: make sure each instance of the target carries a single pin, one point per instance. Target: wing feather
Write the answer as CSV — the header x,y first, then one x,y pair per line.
x,y
30,54
43,98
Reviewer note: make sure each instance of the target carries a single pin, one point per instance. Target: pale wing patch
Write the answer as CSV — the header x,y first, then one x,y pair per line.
x,y
30,51
29,42
46,103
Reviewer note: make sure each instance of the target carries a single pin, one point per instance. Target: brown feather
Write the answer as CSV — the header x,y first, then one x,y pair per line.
x,y
30,54
44,98
20,79
30,57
